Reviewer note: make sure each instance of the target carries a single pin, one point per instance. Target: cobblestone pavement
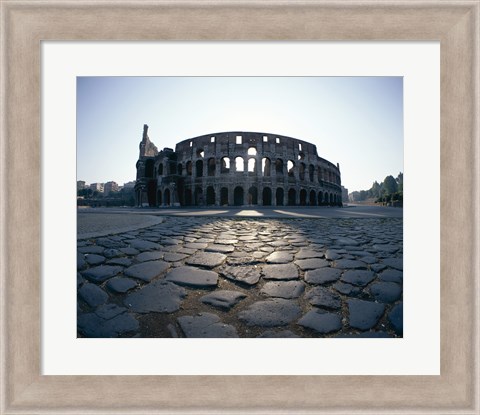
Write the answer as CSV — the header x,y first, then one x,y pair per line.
x,y
244,277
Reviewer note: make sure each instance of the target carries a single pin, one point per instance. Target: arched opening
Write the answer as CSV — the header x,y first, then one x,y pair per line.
x,y
198,196
266,166
292,194
252,196
301,156
189,168
188,197
239,166
303,197
149,165
200,152
311,171
313,199
290,168
279,166
279,196
160,169
238,196
199,168
167,197
320,198
210,196
252,163
252,151
301,171
179,169
224,196
267,196
331,199
326,198
211,167
225,165
159,198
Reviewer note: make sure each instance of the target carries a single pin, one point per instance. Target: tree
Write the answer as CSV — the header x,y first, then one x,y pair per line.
x,y
400,182
86,193
390,185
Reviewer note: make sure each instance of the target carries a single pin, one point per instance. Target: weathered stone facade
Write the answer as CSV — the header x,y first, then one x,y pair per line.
x,y
233,169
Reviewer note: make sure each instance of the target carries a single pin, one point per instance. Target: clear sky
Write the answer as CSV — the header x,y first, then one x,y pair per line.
x,y
354,121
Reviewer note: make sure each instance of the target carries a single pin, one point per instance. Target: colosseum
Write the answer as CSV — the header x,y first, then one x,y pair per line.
x,y
236,168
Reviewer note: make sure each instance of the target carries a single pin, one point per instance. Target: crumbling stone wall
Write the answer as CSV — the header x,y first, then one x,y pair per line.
x,y
238,168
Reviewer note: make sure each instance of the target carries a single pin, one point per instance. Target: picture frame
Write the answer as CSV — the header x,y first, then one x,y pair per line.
x,y
25,24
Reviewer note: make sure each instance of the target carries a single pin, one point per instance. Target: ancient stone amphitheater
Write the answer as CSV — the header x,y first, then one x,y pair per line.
x,y
236,168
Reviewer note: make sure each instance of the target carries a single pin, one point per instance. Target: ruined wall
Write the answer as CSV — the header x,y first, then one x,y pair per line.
x,y
243,168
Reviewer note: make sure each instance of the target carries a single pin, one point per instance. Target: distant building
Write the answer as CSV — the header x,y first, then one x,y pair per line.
x,y
80,185
110,187
99,187
344,195
129,185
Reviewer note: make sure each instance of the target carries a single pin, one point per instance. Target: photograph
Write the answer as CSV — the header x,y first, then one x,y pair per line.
x,y
239,207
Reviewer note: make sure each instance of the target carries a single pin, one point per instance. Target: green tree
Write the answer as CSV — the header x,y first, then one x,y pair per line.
x,y
400,182
390,185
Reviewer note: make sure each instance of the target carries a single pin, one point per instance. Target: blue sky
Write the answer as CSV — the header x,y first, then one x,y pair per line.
x,y
354,121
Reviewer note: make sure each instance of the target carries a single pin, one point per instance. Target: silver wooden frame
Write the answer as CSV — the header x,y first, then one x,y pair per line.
x,y
24,24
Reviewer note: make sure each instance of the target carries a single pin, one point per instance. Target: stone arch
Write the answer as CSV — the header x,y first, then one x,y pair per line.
x,y
238,196
159,198
311,171
199,168
279,166
149,168
331,198
267,196
303,197
292,195
188,197
252,165
188,167
252,151
326,198
320,198
312,199
211,166
239,164
179,169
279,195
198,196
200,153
291,168
166,197
252,196
224,196
225,168
160,169
210,196
266,167
301,171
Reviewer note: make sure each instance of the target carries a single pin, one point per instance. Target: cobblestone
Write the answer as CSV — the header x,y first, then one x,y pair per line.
x,y
330,277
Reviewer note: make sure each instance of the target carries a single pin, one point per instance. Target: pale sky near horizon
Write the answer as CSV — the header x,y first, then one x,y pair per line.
x,y
354,121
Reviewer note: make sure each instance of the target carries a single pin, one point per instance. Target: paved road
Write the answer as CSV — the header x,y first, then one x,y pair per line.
x,y
231,275
93,222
